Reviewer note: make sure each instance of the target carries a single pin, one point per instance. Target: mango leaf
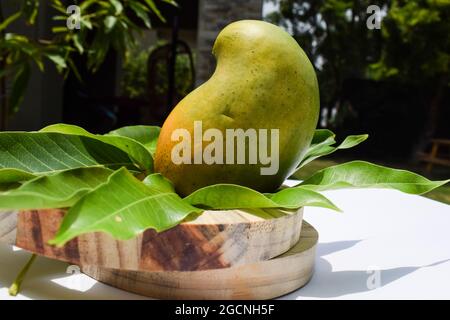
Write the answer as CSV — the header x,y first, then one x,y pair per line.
x,y
352,140
9,186
230,196
62,189
321,145
42,153
361,174
146,135
124,207
323,136
133,148
8,176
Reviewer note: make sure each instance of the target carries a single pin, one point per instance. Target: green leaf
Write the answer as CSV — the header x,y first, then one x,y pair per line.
x,y
57,59
146,135
171,2
352,140
361,174
8,176
158,181
10,20
62,189
19,87
323,136
155,9
30,10
59,29
74,69
124,207
110,22
118,7
43,153
86,22
133,148
322,142
77,43
230,196
142,12
86,4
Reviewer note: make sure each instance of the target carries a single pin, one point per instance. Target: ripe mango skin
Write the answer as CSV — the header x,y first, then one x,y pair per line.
x,y
263,80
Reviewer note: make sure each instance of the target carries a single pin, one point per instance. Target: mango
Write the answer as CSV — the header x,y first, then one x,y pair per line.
x,y
263,81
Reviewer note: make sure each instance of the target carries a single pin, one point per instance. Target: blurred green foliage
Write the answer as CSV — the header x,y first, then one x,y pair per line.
x,y
335,36
416,41
102,25
412,46
135,84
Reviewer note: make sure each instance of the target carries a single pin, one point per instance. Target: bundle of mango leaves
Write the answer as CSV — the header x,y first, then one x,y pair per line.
x,y
108,184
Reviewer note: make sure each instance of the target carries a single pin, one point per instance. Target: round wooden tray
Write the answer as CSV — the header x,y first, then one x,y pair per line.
x,y
212,240
259,280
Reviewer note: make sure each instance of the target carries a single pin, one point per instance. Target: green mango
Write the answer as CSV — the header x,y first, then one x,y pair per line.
x,y
263,80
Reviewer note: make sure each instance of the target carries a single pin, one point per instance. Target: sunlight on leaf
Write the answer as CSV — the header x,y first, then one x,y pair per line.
x,y
124,207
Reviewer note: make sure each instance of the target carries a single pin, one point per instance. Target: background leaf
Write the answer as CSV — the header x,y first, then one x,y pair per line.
x,y
19,86
133,148
110,22
230,196
151,4
57,59
146,135
118,7
124,207
62,189
5,23
361,174
141,11
43,153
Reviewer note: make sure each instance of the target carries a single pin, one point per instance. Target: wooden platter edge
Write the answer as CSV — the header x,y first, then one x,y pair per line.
x,y
187,247
260,280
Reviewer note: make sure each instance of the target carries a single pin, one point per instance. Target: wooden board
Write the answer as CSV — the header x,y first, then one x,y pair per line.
x,y
8,224
213,240
259,280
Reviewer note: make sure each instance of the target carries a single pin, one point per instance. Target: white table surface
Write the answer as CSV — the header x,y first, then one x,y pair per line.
x,y
405,237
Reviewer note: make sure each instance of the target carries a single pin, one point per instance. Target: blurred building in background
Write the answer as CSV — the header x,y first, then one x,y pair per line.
x,y
214,15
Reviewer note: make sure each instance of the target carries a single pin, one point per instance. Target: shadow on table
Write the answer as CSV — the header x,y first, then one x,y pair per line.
x,y
41,280
327,283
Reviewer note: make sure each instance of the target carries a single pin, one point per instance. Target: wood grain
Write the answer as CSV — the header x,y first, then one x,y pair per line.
x,y
8,223
213,240
258,280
